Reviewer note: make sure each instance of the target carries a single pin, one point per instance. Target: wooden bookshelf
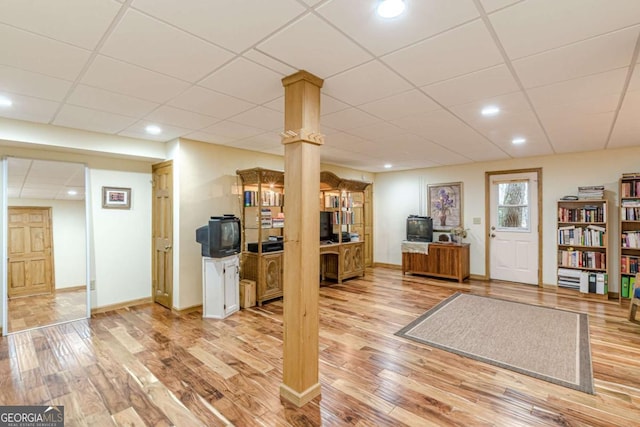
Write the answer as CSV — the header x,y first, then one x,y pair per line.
x,y
583,247
629,227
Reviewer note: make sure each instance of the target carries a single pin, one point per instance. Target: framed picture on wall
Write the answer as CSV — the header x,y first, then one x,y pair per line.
x,y
445,205
116,198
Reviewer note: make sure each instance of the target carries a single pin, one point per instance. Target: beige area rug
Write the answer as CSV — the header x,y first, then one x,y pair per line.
x,y
542,342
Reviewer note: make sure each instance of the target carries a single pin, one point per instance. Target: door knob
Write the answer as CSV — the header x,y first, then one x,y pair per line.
x,y
492,235
493,227
166,248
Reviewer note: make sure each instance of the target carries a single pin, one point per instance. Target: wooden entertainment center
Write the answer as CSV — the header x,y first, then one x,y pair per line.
x,y
443,260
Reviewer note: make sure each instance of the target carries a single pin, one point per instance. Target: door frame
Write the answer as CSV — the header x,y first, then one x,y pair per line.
x,y
487,214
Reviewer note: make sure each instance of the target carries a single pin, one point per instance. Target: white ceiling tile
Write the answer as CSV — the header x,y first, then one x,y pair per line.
x,y
529,149
208,137
232,130
550,23
577,91
344,141
634,83
330,105
235,25
421,19
144,41
127,79
276,105
475,86
262,118
579,132
269,62
400,105
79,22
263,141
627,126
208,102
592,56
93,120
245,80
111,102
29,108
492,5
137,130
510,104
377,132
180,118
347,119
62,60
33,84
365,83
447,55
324,52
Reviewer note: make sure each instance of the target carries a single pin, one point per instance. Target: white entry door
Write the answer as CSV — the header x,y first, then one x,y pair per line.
x,y
514,227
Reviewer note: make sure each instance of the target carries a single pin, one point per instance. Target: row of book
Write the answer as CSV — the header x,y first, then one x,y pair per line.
x,y
267,220
592,235
267,198
332,201
628,264
587,282
592,192
344,217
584,214
582,259
630,239
627,285
630,213
630,189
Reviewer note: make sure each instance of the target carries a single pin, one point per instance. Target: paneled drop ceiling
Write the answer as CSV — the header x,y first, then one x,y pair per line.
x,y
406,91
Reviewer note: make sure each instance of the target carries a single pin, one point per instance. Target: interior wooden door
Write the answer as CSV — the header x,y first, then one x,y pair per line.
x,y
30,264
162,234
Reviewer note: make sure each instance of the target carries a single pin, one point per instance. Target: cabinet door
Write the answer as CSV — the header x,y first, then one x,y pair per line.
x,y
448,260
347,259
231,283
358,257
271,282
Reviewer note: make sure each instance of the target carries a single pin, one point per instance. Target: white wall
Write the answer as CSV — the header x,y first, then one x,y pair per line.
x,y
69,239
399,194
121,238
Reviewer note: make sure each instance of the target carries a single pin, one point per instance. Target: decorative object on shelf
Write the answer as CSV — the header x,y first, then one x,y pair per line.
x,y
116,198
445,205
459,233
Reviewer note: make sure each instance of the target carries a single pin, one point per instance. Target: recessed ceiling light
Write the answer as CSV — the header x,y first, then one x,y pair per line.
x,y
153,130
518,140
390,8
72,192
5,102
490,110
388,166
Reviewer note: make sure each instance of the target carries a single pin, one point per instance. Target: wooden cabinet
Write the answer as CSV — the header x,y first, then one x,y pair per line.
x,y
583,246
266,270
341,261
262,222
444,260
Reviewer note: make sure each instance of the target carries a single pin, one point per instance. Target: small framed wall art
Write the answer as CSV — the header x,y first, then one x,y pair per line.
x,y
116,198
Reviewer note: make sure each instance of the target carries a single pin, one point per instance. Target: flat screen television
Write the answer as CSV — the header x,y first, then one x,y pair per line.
x,y
326,230
419,228
220,237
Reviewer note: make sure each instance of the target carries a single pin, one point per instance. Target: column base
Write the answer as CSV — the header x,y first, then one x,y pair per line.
x,y
299,399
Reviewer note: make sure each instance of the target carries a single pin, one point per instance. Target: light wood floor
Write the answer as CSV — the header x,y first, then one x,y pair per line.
x,y
148,366
38,310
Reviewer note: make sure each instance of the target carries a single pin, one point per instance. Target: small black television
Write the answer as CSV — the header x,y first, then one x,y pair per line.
x,y
220,237
419,228
326,230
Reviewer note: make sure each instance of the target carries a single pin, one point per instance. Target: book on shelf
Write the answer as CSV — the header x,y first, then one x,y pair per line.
x,y
584,282
592,283
624,287
591,192
602,283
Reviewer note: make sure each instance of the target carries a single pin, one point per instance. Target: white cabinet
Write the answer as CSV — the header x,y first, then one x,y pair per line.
x,y
221,290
